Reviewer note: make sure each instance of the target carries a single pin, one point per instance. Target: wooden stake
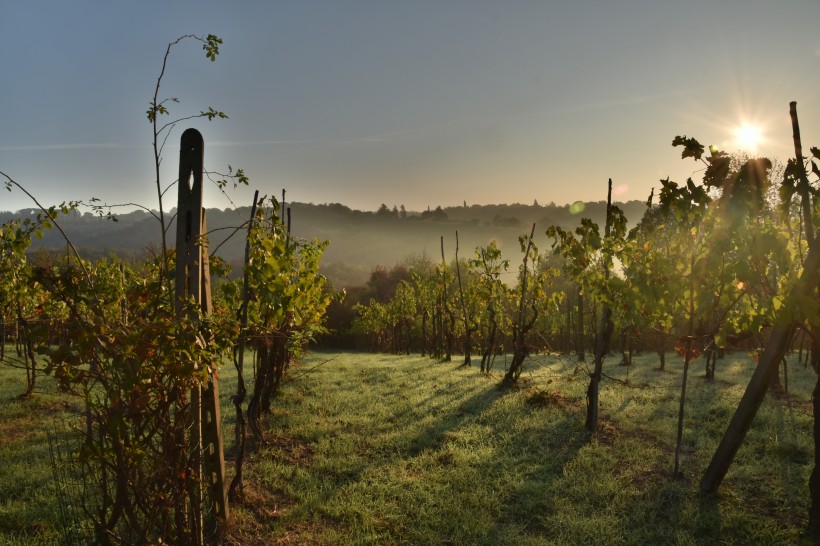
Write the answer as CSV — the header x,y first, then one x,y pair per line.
x,y
804,182
241,391
604,334
192,281
759,383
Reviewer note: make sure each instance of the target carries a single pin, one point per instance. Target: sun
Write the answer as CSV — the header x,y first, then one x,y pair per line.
x,y
748,137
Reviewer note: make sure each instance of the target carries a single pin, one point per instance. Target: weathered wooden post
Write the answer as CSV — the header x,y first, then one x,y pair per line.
x,y
193,281
604,332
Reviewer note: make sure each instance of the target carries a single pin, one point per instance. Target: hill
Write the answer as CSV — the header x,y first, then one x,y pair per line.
x,y
359,240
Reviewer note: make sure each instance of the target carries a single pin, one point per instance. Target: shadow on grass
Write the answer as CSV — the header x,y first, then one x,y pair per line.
x,y
551,449
422,454
709,517
467,409
436,404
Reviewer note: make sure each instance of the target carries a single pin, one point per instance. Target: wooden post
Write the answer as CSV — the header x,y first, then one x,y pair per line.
x,y
447,332
189,218
579,331
804,181
239,397
193,281
212,447
759,383
604,333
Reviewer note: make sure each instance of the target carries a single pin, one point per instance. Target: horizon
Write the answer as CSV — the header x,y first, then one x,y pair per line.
x,y
87,210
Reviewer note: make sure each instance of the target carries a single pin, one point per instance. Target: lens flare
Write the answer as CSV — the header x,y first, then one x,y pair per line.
x,y
620,189
577,207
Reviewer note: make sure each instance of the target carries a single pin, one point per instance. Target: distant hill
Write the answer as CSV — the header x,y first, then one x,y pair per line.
x,y
359,240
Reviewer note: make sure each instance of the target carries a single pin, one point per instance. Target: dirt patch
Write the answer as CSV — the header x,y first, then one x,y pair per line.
x,y
16,431
254,516
28,421
544,398
292,449
608,432
58,406
259,518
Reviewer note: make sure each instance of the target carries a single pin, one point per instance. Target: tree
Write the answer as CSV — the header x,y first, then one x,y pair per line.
x,y
726,249
689,204
383,282
587,258
23,302
487,266
159,107
526,303
796,303
606,325
289,304
402,310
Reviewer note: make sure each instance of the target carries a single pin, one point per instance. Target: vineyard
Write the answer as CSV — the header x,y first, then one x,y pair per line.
x,y
385,449
615,391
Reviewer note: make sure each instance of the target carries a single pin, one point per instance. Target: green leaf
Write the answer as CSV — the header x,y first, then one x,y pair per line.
x,y
691,147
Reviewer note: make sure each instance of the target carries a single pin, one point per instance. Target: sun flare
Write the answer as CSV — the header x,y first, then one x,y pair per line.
x,y
748,137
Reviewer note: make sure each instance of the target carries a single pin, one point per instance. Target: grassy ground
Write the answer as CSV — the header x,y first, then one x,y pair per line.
x,y
28,508
376,449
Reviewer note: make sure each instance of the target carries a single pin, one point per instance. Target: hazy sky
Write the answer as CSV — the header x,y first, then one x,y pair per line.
x,y
420,103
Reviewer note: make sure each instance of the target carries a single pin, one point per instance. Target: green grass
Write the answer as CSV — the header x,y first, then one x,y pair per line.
x,y
377,449
383,450
29,513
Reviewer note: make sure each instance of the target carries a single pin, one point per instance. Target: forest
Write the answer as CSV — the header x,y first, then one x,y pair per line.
x,y
635,373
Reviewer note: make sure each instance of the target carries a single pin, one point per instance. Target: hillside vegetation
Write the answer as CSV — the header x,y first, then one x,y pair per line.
x,y
359,240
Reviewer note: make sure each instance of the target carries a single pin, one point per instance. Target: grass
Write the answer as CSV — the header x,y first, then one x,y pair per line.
x,y
29,513
377,449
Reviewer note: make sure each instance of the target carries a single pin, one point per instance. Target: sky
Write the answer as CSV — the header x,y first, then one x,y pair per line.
x,y
404,102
